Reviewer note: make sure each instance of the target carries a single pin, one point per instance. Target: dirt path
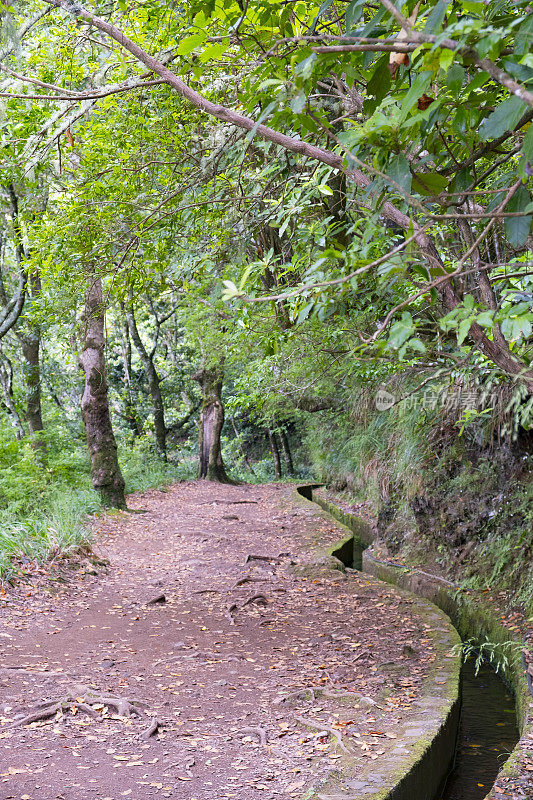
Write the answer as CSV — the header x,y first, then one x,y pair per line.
x,y
223,664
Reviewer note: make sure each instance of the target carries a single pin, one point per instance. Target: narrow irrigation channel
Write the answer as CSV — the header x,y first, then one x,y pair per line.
x,y
487,733
488,729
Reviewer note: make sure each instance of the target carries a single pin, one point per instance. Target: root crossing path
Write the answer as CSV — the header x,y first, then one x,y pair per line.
x,y
211,659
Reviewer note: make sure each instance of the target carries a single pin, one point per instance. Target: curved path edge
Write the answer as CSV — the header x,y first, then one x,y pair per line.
x,y
418,768
471,616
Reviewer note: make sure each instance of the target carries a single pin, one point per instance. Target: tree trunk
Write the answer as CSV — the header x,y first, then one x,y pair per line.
x,y
210,464
129,404
31,346
287,455
105,471
275,452
6,382
154,387
241,446
31,352
502,357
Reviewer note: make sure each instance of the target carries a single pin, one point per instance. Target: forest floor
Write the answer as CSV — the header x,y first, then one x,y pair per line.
x,y
240,665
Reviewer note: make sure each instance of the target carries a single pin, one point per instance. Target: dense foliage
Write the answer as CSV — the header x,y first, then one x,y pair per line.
x,y
317,216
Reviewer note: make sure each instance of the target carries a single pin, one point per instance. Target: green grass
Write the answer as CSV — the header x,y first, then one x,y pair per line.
x,y
44,506
142,469
60,530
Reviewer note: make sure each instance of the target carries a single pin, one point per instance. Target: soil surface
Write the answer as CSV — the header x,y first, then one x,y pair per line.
x,y
238,660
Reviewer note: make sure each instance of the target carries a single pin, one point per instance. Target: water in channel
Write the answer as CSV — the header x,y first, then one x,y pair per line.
x,y
487,734
488,731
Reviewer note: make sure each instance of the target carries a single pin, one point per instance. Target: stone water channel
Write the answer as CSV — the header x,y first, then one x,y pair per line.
x,y
487,730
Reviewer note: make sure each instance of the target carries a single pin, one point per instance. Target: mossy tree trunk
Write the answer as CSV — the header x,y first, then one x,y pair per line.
x,y
105,471
273,441
31,347
210,464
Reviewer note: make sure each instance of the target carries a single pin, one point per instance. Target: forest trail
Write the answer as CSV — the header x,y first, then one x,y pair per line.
x,y
222,663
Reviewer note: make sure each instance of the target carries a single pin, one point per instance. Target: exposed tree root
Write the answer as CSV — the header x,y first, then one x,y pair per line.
x,y
297,695
255,598
259,732
152,729
252,557
317,692
351,695
326,728
158,599
229,612
207,656
247,579
82,699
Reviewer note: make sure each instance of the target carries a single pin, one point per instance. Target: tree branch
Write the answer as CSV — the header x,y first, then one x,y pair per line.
x,y
426,244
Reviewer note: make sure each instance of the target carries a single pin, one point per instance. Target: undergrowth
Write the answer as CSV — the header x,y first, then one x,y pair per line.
x,y
460,501
45,500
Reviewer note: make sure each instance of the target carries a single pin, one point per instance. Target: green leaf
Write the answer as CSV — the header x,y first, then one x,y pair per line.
x,y
514,328
212,53
324,7
478,81
468,302
446,59
527,146
416,344
524,36
189,44
230,291
436,18
463,180
380,80
298,103
455,78
398,170
504,118
323,188
353,13
517,228
485,319
244,278
520,71
304,313
419,87
429,183
462,331
401,331
305,68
